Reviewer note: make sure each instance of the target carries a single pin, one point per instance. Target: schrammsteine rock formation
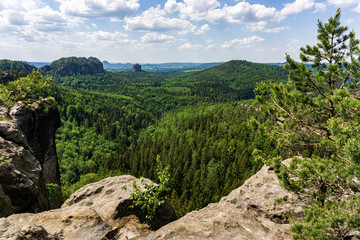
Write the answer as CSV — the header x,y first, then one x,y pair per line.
x,y
28,156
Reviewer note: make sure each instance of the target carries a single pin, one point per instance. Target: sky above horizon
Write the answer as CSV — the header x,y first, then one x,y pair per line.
x,y
158,31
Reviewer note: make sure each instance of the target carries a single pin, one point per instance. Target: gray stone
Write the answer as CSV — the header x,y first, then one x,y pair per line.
x,y
249,212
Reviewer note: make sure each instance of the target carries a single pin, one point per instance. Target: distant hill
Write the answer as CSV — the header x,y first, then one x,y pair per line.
x,y
73,65
17,66
39,64
232,80
164,69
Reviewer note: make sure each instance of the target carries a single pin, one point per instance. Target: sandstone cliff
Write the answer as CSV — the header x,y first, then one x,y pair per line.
x,y
249,212
74,65
96,211
28,156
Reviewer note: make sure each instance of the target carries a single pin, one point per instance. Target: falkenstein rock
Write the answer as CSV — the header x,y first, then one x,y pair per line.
x,y
136,68
28,156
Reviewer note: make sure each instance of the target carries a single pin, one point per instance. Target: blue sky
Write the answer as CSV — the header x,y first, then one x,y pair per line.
x,y
157,31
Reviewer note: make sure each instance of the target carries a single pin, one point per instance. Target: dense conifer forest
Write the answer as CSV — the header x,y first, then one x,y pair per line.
x,y
118,122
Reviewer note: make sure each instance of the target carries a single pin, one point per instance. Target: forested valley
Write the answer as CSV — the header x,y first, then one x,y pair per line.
x,y
202,124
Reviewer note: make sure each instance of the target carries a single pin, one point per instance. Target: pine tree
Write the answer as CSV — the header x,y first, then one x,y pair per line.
x,y
321,125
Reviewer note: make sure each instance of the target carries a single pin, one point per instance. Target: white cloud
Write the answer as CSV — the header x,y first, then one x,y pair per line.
x,y
157,38
192,9
189,46
30,20
244,12
357,9
320,7
243,41
275,30
155,20
211,46
99,8
19,5
297,6
116,37
343,3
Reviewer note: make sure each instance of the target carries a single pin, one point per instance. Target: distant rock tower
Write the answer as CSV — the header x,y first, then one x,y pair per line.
x,y
136,68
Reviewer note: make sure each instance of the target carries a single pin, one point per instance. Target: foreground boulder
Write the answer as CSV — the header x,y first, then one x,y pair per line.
x,y
27,147
110,198
97,211
249,212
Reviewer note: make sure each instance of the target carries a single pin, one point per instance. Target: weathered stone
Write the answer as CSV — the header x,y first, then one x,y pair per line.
x,y
39,122
110,198
128,228
21,180
249,212
73,223
28,156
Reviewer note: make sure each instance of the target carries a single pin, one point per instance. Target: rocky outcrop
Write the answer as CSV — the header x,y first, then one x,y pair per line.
x,y
74,65
69,223
96,211
39,122
136,68
110,198
249,212
6,78
27,147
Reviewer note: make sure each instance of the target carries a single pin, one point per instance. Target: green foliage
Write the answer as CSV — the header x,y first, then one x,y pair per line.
x,y
73,65
322,123
4,161
27,89
17,66
234,80
54,194
207,148
67,190
154,195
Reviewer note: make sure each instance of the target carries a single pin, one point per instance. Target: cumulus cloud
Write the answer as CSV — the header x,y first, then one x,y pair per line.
x,y
297,6
343,2
243,41
155,20
99,8
23,18
256,17
116,36
157,38
189,46
346,3
192,9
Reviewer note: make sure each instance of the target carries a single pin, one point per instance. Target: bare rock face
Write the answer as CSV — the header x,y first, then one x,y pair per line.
x,y
73,223
96,211
249,212
27,147
110,198
39,123
136,68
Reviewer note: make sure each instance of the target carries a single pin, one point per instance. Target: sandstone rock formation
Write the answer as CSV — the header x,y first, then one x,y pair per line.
x,y
136,68
74,65
96,211
110,198
27,146
249,212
